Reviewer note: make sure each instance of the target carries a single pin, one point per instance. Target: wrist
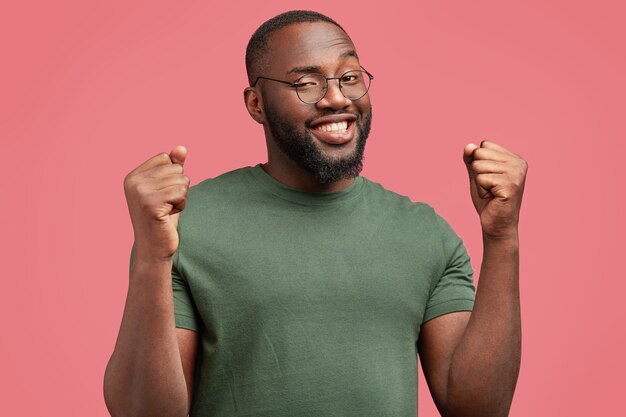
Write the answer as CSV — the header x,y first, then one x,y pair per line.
x,y
146,260
150,270
507,240
501,232
153,249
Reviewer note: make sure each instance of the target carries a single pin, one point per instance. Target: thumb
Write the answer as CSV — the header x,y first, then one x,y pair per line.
x,y
178,155
468,158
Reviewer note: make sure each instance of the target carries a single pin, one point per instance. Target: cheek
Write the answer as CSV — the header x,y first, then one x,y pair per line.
x,y
289,108
364,105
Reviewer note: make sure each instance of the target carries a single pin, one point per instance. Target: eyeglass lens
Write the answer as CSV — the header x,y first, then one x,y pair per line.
x,y
312,88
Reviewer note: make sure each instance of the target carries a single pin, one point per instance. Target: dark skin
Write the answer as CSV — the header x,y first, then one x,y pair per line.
x,y
470,360
320,45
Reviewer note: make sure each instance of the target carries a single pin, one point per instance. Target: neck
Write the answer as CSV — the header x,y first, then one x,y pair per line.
x,y
293,176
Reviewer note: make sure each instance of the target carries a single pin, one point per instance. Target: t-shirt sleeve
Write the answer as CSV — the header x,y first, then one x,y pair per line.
x,y
455,289
185,312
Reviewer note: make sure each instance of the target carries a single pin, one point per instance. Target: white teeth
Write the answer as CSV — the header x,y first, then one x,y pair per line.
x,y
334,127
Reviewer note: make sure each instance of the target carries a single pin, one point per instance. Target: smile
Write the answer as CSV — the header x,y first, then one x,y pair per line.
x,y
339,127
335,133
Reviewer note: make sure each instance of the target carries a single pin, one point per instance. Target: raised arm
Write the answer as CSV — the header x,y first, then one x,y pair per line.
x,y
471,361
151,368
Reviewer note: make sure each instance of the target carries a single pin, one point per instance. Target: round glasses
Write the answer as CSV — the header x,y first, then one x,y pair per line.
x,y
311,88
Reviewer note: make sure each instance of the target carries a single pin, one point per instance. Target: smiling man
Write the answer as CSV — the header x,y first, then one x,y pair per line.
x,y
301,288
318,132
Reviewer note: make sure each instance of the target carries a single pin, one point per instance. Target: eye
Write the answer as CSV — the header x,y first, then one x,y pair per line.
x,y
351,78
304,84
310,81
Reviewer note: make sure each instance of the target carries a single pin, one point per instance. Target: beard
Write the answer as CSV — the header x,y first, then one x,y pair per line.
x,y
299,146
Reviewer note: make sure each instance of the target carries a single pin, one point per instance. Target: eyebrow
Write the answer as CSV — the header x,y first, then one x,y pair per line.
x,y
315,68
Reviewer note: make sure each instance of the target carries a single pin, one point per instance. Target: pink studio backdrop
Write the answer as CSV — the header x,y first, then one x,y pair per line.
x,y
91,89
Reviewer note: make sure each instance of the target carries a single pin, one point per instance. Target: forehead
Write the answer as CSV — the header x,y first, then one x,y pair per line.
x,y
319,44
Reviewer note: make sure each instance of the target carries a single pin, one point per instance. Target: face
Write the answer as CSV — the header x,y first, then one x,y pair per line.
x,y
307,133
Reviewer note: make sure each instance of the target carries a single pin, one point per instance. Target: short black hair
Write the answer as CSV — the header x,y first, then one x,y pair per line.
x,y
258,43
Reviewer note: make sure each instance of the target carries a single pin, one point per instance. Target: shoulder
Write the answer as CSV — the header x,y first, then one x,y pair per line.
x,y
216,195
403,209
226,189
399,204
228,181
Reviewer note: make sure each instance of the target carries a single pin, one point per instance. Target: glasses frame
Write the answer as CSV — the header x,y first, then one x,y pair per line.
x,y
295,84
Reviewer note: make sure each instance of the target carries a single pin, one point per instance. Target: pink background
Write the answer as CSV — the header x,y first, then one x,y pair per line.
x,y
91,89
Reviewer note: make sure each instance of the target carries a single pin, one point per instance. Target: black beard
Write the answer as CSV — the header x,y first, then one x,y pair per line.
x,y
299,146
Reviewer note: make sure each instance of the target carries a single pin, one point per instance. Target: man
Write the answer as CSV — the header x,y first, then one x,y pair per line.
x,y
301,288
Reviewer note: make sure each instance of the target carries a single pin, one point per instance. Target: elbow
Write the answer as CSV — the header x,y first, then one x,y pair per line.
x,y
122,400
112,399
478,407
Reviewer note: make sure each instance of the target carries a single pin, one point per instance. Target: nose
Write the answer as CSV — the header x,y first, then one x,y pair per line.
x,y
334,98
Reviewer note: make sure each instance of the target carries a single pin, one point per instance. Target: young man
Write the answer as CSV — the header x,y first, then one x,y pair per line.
x,y
301,288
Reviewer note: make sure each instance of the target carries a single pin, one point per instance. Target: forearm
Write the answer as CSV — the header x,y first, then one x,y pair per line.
x,y
485,365
144,376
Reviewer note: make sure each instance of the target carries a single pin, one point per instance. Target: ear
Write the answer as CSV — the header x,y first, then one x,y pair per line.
x,y
254,104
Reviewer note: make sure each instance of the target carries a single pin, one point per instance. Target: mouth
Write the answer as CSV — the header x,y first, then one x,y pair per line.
x,y
334,130
339,127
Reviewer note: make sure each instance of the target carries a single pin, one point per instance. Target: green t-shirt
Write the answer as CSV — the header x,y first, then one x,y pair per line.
x,y
310,304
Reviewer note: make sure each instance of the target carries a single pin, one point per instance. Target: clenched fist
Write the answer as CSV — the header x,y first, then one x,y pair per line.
x,y
156,192
497,178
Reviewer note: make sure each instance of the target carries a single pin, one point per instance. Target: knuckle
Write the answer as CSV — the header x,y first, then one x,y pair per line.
x,y
128,181
524,165
131,176
140,189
